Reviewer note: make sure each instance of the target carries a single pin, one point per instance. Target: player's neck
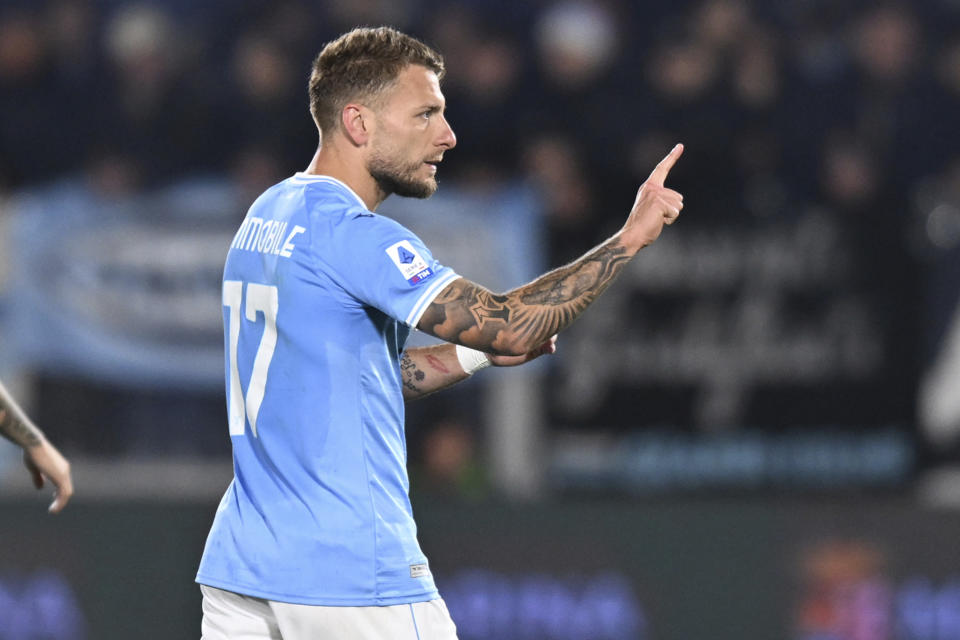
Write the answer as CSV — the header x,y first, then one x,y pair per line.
x,y
328,161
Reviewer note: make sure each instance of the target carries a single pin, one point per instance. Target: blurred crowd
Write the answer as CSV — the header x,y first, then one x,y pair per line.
x,y
780,103
785,106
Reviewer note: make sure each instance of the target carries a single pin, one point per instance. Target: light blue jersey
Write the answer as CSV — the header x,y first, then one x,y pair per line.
x,y
319,295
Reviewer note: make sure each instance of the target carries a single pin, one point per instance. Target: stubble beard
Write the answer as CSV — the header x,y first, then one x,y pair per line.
x,y
401,180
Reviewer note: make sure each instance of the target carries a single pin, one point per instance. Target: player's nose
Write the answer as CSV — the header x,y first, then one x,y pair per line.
x,y
448,138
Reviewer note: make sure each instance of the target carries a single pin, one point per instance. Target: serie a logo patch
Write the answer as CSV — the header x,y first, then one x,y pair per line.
x,y
410,263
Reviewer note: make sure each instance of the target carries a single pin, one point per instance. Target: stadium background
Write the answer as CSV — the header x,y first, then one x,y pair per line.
x,y
753,434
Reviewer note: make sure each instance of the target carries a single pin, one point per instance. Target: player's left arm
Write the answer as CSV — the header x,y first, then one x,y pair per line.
x,y
424,370
41,458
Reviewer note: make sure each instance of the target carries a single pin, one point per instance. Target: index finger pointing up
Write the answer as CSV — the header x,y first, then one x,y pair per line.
x,y
659,174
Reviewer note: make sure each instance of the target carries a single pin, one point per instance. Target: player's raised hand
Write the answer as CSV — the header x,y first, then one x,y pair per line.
x,y
655,206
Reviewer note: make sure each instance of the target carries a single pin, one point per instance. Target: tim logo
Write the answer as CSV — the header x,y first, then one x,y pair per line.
x,y
423,275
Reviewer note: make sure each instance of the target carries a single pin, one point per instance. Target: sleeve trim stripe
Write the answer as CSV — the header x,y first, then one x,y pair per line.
x,y
421,306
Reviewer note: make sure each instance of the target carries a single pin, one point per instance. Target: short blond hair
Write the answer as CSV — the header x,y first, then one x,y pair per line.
x,y
359,65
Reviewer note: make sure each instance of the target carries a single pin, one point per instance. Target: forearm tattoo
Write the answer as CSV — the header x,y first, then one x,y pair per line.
x,y
469,314
14,425
411,375
422,372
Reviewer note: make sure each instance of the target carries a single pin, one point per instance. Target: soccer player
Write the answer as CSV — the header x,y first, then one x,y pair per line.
x,y
314,538
41,458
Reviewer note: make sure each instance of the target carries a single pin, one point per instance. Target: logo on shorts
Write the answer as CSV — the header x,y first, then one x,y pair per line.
x,y
413,267
419,570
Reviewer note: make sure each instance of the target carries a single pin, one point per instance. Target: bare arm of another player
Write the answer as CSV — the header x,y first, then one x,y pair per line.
x,y
40,457
424,370
517,322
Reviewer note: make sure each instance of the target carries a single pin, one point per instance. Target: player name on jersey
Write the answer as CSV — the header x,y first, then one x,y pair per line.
x,y
269,237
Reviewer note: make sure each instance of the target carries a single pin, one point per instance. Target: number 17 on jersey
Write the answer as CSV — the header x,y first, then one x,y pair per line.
x,y
260,299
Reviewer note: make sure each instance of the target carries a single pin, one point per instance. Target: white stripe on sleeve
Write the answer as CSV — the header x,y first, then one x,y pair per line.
x,y
432,292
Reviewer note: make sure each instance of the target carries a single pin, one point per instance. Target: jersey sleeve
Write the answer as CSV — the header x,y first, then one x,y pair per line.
x,y
385,265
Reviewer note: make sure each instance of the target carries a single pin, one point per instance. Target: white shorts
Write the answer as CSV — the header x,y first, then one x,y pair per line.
x,y
232,616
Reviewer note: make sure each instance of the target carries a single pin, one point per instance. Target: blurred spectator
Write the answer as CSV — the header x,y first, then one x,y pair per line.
x,y
850,175
756,75
885,43
683,71
722,25
577,42
151,97
71,34
555,167
28,116
253,170
266,89
113,175
484,68
449,462
580,86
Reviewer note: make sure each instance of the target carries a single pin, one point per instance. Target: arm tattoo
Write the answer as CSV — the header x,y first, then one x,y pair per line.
x,y
14,425
411,375
425,370
529,315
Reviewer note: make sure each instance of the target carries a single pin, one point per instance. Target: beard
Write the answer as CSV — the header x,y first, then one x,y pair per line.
x,y
399,178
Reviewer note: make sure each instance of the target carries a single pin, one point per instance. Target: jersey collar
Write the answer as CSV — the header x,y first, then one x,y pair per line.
x,y
312,177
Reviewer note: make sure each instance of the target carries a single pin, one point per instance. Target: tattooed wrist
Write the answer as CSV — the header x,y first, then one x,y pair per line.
x,y
18,430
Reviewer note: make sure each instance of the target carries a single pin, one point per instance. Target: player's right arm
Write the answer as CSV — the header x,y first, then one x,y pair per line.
x,y
517,322
41,458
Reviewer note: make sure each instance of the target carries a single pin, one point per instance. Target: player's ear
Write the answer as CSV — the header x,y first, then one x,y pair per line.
x,y
357,122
